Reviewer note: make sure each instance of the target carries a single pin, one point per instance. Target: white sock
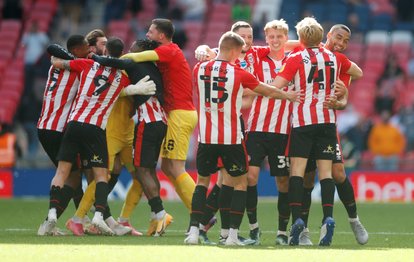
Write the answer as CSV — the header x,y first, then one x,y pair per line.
x,y
353,219
111,222
98,215
160,215
233,233
254,226
224,233
123,220
201,227
193,231
52,214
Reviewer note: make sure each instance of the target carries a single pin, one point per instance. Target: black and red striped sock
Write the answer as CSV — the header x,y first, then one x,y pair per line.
x,y
101,196
295,196
225,197
238,205
251,204
327,192
283,210
306,203
67,194
212,203
198,205
347,196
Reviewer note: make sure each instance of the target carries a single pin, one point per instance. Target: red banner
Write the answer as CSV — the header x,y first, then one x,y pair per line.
x,y
383,186
6,183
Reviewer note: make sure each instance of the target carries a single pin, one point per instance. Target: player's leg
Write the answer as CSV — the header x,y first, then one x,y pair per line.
x,y
324,153
255,146
347,197
308,184
279,168
134,192
235,161
300,146
147,149
207,156
181,124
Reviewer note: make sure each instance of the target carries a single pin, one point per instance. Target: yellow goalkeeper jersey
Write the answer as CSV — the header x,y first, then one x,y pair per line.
x,y
120,123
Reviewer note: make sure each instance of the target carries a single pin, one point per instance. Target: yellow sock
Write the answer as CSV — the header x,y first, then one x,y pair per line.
x,y
132,198
87,200
184,186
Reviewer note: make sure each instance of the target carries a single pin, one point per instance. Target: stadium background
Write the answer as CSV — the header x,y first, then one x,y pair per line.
x,y
382,32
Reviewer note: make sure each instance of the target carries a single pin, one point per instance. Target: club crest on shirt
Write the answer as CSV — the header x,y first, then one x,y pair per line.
x,y
250,58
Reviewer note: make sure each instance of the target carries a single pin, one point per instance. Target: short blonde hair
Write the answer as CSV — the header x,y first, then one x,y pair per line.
x,y
230,40
277,25
310,32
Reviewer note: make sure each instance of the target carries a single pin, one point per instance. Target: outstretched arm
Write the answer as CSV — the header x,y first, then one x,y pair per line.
x,y
60,63
60,52
144,56
112,62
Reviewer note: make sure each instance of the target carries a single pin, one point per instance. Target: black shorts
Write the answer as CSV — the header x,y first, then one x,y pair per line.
x,y
147,143
311,165
234,158
262,144
50,141
89,141
313,142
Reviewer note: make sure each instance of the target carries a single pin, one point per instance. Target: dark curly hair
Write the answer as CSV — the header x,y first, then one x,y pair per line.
x,y
144,44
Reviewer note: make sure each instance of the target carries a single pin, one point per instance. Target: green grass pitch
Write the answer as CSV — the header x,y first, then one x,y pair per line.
x,y
391,229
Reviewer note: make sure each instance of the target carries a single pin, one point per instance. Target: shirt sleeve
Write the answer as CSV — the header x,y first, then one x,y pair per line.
x,y
165,53
290,67
248,80
78,65
144,56
343,63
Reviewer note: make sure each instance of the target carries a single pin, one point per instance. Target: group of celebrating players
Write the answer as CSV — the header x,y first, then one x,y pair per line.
x,y
85,128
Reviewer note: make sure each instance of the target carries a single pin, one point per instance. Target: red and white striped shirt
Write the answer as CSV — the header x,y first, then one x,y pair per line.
x,y
267,114
151,111
61,88
251,58
98,90
314,71
219,87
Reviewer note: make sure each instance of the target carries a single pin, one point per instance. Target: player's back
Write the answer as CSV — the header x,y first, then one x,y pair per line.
x,y
60,91
220,91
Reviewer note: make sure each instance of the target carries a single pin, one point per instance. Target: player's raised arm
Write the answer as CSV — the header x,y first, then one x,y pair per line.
x,y
355,71
60,52
144,56
112,61
60,63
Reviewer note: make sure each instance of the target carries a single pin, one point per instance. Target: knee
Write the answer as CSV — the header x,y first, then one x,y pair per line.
x,y
309,179
282,184
338,173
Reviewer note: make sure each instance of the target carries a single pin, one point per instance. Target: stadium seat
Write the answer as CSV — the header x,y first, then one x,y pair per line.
x,y
378,37
407,162
367,161
11,25
401,36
